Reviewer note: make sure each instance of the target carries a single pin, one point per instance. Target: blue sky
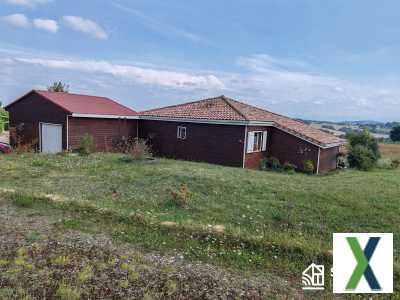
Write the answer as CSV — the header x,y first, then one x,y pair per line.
x,y
331,60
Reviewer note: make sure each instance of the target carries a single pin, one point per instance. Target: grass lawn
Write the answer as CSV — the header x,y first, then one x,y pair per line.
x,y
244,220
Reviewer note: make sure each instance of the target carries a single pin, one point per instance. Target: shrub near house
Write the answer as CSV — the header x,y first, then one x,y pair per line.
x,y
363,151
3,120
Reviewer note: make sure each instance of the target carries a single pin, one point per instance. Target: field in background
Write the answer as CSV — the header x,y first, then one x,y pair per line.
x,y
390,150
243,220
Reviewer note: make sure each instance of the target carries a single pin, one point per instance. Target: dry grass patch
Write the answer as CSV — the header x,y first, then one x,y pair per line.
x,y
390,150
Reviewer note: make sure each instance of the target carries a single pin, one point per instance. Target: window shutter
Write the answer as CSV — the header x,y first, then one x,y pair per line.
x,y
250,142
265,137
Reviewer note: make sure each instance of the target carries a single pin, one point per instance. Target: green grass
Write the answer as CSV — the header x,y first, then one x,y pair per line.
x,y
274,222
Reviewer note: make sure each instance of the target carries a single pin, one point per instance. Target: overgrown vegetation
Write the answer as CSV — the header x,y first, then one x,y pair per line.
x,y
308,166
140,150
272,163
86,144
58,87
181,197
255,221
135,148
363,151
395,134
20,142
4,119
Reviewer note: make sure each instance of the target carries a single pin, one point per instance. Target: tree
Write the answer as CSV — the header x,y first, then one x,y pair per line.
x,y
3,120
364,138
362,158
395,134
58,87
363,150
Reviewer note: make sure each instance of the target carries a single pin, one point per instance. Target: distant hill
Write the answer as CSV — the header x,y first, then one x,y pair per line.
x,y
380,130
366,123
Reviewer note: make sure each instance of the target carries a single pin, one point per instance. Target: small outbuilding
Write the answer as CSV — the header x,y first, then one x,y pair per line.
x,y
53,121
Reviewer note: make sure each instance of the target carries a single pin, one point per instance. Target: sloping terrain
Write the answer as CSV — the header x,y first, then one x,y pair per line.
x,y
260,229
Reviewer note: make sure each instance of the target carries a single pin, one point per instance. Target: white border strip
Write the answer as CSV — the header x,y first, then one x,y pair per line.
x,y
208,121
104,116
67,133
244,146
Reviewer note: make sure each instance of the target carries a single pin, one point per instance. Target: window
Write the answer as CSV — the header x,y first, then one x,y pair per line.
x,y
181,134
256,141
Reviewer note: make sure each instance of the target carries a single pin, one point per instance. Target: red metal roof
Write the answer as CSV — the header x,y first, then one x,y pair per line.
x,y
224,108
84,104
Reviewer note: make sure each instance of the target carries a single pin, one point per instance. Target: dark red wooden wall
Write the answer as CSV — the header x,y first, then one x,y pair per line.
x,y
104,131
218,144
32,110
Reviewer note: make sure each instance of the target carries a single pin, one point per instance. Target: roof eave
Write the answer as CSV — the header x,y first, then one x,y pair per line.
x,y
18,99
39,94
99,116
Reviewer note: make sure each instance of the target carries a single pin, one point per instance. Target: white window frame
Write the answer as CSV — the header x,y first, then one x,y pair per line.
x,y
251,139
181,133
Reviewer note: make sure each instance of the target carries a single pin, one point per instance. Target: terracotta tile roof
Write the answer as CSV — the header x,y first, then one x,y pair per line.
x,y
207,109
83,104
224,108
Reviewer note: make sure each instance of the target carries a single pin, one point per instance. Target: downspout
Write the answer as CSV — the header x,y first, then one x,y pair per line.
x,y
67,132
319,154
137,128
244,146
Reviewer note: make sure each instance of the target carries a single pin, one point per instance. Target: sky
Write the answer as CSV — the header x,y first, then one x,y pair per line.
x,y
323,60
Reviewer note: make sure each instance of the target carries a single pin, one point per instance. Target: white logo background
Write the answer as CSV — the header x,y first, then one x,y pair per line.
x,y
344,262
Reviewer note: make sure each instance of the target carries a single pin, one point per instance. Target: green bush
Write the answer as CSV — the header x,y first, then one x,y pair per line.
x,y
385,163
363,151
395,163
365,139
341,160
273,163
3,120
308,166
264,164
395,134
86,145
362,158
288,167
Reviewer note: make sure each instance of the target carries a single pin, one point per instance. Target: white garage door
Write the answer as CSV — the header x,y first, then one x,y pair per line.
x,y
51,138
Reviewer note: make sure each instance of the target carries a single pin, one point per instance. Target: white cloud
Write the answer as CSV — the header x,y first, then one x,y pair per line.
x,y
284,86
17,20
27,3
295,88
263,62
46,24
169,79
159,26
86,26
